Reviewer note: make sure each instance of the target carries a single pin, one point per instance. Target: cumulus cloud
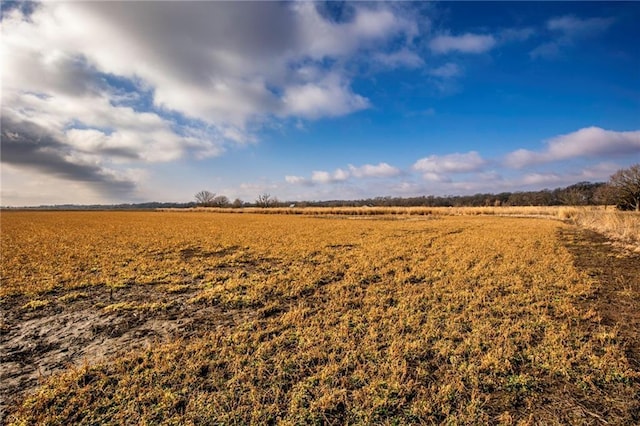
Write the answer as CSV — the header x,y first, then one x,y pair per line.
x,y
540,179
369,170
321,38
436,165
380,170
28,145
321,176
590,142
465,43
221,62
142,82
297,180
401,58
330,97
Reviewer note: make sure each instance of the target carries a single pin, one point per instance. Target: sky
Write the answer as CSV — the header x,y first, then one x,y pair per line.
x,y
124,102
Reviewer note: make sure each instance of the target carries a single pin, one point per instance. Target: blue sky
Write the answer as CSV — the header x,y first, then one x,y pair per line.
x,y
108,102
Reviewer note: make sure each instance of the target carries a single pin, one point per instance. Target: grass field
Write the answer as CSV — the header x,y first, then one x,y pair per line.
x,y
213,318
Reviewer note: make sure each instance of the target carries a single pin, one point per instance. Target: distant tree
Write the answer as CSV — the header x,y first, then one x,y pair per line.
x,y
625,187
604,195
237,203
220,201
572,197
205,198
265,200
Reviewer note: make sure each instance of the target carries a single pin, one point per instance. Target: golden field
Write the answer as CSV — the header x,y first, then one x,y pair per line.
x,y
307,319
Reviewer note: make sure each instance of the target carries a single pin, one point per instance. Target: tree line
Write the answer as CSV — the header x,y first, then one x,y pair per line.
x,y
622,190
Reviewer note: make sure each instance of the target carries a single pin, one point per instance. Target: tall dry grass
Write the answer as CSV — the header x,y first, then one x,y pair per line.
x,y
528,211
617,225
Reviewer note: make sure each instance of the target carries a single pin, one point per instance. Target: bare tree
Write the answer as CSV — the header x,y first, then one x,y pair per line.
x,y
265,200
220,201
237,203
625,184
205,198
605,195
572,197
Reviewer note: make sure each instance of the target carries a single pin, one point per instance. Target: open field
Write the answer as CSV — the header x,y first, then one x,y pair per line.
x,y
200,318
624,227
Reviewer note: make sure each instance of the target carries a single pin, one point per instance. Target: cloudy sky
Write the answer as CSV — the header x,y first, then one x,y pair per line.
x,y
109,102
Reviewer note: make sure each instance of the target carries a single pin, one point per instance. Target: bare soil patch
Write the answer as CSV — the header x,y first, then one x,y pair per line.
x,y
37,343
616,302
617,272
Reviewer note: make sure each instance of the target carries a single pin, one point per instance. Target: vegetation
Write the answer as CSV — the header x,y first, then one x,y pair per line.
x,y
266,200
205,198
624,188
468,319
583,193
619,226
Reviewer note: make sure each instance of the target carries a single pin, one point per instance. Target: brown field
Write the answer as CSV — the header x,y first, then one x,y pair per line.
x,y
396,318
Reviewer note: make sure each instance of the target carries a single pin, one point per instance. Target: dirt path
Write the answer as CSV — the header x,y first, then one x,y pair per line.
x,y
617,270
35,344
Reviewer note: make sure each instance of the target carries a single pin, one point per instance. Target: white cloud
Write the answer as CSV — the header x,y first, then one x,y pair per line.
x,y
434,165
223,63
447,70
330,97
340,175
297,180
321,176
466,43
380,170
599,172
369,170
541,179
589,142
401,58
125,85
436,177
294,179
322,38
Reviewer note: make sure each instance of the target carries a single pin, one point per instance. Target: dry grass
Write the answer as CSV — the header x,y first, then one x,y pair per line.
x,y
527,211
459,320
617,225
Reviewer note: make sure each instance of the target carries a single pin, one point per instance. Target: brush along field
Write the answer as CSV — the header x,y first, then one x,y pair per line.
x,y
212,318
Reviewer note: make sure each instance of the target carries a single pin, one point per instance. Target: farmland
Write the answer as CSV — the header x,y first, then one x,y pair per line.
x,y
210,317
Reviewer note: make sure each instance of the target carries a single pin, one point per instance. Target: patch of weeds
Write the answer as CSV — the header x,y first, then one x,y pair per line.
x,y
35,304
177,288
132,306
206,297
116,285
520,383
618,377
73,296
